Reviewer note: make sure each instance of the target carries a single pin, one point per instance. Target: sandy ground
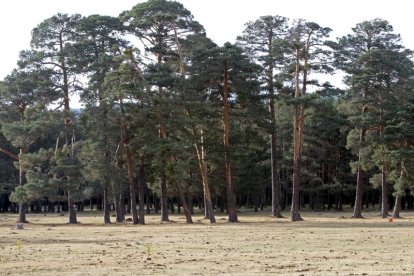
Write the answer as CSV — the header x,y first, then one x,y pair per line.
x,y
323,244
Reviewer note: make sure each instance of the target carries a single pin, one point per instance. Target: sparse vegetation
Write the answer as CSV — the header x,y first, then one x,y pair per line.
x,y
324,244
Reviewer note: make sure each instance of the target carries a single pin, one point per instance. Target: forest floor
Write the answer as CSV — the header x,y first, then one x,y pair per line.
x,y
324,243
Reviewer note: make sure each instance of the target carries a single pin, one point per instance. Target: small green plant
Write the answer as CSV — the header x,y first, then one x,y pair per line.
x,y
19,245
149,249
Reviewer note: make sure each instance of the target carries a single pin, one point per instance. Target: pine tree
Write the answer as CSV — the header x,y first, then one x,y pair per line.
x,y
260,39
375,62
25,94
309,54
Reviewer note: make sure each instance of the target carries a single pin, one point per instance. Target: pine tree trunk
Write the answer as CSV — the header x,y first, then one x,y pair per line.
x,y
201,156
206,213
22,213
107,214
231,201
131,180
359,193
148,196
295,213
384,194
187,212
276,210
119,208
360,181
22,205
397,207
72,212
142,185
164,200
297,148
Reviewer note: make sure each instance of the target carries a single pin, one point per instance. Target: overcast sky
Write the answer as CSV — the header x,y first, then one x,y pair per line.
x,y
222,19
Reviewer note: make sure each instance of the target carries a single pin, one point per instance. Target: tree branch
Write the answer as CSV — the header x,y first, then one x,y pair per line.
x,y
12,155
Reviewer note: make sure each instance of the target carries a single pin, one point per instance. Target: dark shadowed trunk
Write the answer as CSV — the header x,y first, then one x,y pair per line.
x,y
384,194
164,200
22,205
187,212
142,185
119,207
72,212
107,213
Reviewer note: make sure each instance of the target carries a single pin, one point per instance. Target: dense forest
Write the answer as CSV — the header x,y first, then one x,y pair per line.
x,y
172,120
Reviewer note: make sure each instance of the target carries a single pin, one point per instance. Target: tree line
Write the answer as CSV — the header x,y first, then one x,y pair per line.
x,y
170,117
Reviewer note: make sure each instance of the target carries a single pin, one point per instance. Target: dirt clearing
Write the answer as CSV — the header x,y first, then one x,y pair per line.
x,y
323,244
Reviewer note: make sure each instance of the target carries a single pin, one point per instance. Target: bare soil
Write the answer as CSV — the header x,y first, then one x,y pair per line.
x,y
323,244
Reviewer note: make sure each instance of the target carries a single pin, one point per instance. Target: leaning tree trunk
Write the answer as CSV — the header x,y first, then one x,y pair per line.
x,y
187,212
397,207
202,163
231,201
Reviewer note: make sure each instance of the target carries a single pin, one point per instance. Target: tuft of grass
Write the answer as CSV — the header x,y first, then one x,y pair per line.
x,y
19,245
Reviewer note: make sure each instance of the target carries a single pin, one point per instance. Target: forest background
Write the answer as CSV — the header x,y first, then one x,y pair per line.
x,y
170,117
